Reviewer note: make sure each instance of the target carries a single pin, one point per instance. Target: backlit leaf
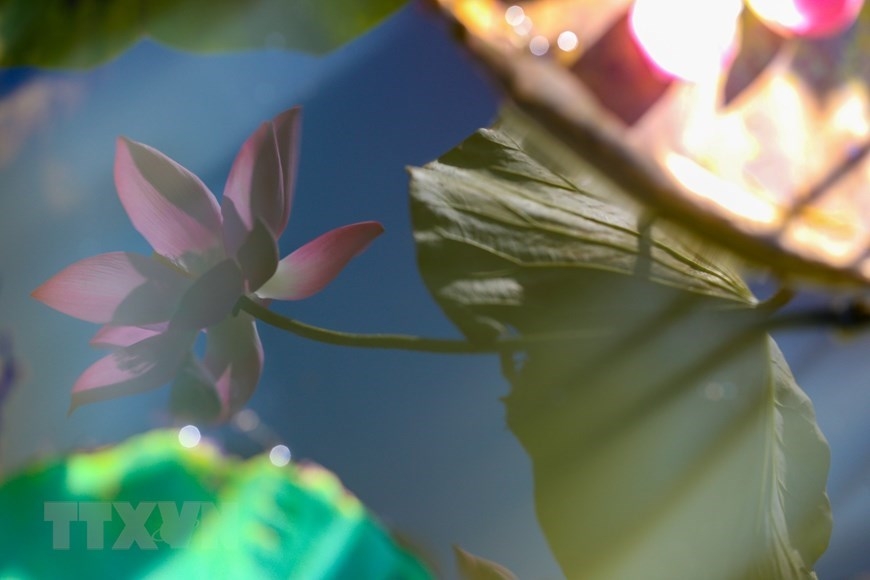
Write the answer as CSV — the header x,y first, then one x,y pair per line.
x,y
669,440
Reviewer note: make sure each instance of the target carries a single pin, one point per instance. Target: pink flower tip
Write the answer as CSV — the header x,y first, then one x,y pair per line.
x,y
812,18
310,268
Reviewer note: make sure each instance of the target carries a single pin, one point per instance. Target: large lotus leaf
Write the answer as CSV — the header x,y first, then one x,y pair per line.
x,y
668,438
498,233
82,33
150,507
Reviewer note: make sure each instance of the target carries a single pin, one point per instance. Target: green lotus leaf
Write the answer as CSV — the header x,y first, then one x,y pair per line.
x,y
152,508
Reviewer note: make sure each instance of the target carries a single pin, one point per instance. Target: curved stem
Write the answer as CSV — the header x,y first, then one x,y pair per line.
x,y
405,341
852,318
781,298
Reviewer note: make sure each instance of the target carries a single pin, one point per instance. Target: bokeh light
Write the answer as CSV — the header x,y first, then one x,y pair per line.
x,y
280,455
189,436
567,41
687,39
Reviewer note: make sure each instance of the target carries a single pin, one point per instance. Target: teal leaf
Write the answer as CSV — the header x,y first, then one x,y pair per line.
x,y
84,33
669,440
150,507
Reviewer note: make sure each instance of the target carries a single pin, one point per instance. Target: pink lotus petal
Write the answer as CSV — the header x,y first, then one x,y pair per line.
x,y
120,336
218,386
167,204
261,181
139,367
257,257
211,297
310,268
234,358
287,134
119,288
254,189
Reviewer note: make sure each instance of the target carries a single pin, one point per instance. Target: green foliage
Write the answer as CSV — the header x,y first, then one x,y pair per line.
x,y
83,33
214,517
672,442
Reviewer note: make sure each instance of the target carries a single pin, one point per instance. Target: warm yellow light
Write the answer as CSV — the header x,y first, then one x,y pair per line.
x,y
689,39
476,15
735,200
833,238
852,117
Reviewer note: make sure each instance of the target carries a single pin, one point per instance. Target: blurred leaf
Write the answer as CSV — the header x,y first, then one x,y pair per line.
x,y
214,517
83,33
472,567
672,442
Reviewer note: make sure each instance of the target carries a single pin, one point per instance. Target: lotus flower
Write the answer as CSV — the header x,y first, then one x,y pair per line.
x,y
206,257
